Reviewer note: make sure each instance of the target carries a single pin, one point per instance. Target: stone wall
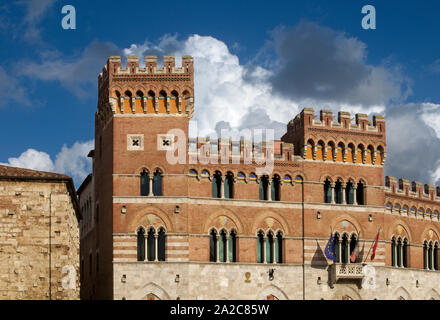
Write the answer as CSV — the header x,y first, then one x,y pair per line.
x,y
32,264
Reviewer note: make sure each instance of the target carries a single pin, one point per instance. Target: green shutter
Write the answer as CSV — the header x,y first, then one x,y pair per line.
x,y
261,190
267,250
259,253
272,190
227,195
221,249
231,248
214,187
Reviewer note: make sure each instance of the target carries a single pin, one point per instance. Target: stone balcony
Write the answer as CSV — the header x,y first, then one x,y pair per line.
x,y
346,271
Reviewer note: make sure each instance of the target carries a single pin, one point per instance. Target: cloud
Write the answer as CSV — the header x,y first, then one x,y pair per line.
x,y
326,66
76,74
435,66
11,90
35,11
413,142
72,161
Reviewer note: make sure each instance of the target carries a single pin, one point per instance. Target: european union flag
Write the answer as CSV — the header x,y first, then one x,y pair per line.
x,y
330,249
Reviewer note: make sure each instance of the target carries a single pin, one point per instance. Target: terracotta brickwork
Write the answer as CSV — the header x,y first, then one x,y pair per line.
x,y
39,236
327,176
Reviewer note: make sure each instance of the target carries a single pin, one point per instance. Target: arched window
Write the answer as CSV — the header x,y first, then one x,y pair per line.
x,y
222,246
232,246
151,245
399,252
309,149
436,256
405,253
264,183
141,244
330,150
349,193
360,193
327,191
393,252
213,246
174,99
229,185
145,183
353,241
360,153
157,183
320,151
279,247
425,255
338,191
337,243
260,247
216,185
340,152
275,188
269,247
161,244
430,256
344,248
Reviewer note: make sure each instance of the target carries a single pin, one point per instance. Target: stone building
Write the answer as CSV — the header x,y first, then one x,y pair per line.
x,y
39,239
220,223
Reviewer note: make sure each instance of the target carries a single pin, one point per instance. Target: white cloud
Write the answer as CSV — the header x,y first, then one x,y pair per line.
x,y
72,161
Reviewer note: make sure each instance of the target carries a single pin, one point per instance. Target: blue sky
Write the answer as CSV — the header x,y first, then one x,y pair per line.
x,y
48,75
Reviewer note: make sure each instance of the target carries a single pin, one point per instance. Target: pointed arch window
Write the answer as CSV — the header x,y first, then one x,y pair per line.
x,y
349,193
337,243
151,245
275,188
260,247
279,247
157,183
264,184
327,191
216,185
213,246
229,186
338,192
360,193
353,242
399,252
232,246
269,247
222,246
161,239
141,244
344,249
145,183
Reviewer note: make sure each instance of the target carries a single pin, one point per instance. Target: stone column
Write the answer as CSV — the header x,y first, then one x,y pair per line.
x,y
144,104
133,105
156,107
332,192
340,249
156,250
344,200
355,195
222,188
146,246
121,104
314,152
179,104
150,187
168,104
269,189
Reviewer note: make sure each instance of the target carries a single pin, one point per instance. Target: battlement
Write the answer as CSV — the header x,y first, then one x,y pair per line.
x,y
242,150
307,119
414,189
149,90
362,142
115,68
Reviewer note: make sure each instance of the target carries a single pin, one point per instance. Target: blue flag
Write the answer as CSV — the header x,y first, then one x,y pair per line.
x,y
330,249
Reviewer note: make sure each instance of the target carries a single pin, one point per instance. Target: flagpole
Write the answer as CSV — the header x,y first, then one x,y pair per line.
x,y
372,244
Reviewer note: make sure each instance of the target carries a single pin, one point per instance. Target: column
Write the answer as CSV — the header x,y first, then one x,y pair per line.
x,y
179,104
168,104
355,194
150,187
121,104
269,189
146,245
340,249
144,104
133,105
156,258
332,192
218,248
344,200
222,188
156,104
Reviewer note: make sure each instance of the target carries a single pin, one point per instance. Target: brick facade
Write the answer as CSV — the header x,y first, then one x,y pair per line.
x,y
327,175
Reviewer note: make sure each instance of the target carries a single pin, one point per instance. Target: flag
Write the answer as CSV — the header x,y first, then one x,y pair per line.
x,y
329,250
355,252
375,246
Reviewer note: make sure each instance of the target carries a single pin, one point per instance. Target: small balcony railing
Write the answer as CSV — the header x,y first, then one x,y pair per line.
x,y
348,271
